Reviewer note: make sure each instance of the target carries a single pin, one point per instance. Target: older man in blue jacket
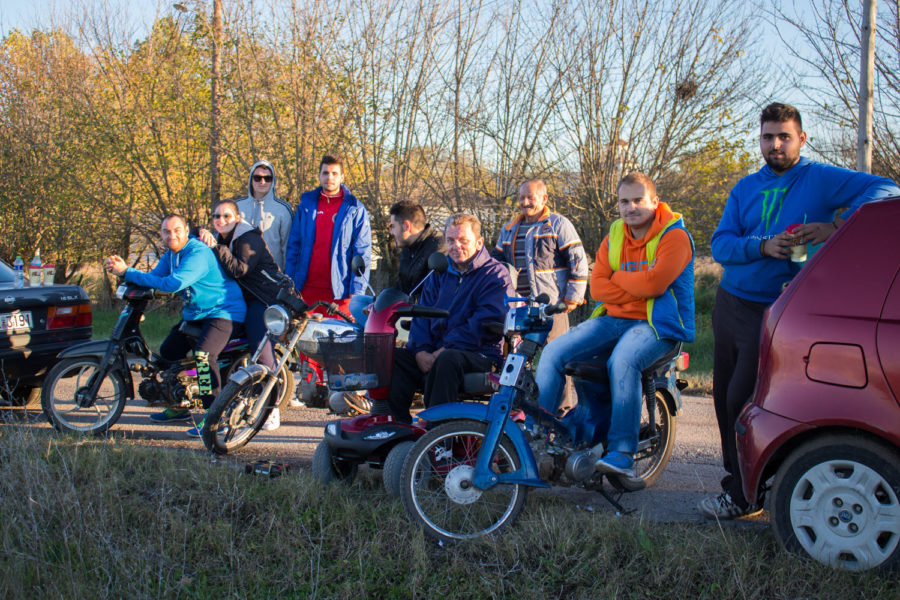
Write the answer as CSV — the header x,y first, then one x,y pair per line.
x,y
441,351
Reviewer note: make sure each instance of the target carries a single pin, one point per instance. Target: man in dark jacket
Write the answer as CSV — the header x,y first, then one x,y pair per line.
x,y
441,351
416,240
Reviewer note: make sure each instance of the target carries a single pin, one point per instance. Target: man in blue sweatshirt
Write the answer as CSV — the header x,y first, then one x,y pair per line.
x,y
753,246
211,299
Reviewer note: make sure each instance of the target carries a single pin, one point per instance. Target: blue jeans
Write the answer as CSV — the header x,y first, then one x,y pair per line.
x,y
631,345
256,332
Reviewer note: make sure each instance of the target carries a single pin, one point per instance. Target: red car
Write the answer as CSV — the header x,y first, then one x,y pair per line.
x,y
824,420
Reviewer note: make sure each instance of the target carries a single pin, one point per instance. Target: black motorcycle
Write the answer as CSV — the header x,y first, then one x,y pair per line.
x,y
87,390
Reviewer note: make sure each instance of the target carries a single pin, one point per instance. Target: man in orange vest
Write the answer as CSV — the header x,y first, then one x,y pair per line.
x,y
644,281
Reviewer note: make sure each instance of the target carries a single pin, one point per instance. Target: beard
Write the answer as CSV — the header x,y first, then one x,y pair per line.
x,y
781,163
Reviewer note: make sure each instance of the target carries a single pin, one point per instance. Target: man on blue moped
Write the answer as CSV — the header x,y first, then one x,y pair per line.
x,y
643,279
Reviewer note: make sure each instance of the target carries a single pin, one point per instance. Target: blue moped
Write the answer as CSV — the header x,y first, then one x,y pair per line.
x,y
470,473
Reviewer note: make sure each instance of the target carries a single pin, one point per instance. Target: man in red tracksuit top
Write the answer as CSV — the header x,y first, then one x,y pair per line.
x,y
330,227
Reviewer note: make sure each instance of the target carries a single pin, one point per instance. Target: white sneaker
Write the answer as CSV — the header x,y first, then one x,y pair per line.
x,y
274,420
297,403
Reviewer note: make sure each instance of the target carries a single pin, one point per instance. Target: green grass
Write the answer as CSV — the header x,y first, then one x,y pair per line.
x,y
699,373
112,519
155,326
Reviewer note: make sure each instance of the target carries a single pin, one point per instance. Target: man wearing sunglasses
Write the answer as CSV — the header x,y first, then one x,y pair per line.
x,y
267,212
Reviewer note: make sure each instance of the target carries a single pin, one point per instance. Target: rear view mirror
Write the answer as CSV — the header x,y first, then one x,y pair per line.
x,y
358,265
438,262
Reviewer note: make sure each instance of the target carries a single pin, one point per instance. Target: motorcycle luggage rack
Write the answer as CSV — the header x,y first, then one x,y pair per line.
x,y
360,362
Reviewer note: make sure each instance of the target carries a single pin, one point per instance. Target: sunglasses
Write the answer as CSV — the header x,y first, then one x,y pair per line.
x,y
222,215
259,178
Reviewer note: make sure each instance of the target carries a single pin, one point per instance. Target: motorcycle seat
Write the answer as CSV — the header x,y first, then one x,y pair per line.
x,y
194,331
480,384
596,371
191,330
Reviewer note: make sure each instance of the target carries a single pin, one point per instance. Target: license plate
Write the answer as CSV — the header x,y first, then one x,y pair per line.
x,y
16,321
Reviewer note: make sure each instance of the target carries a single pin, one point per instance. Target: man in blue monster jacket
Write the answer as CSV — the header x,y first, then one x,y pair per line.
x,y
212,300
441,351
753,245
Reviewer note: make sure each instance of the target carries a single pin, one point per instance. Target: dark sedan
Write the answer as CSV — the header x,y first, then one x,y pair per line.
x,y
35,324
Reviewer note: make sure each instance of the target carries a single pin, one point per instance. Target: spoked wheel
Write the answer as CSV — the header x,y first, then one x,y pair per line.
x,y
239,411
437,489
654,448
327,468
66,401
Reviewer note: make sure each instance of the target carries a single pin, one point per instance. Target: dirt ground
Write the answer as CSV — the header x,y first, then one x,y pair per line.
x,y
693,471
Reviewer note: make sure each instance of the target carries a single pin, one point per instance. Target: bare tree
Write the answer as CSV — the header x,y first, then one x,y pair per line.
x,y
825,45
650,82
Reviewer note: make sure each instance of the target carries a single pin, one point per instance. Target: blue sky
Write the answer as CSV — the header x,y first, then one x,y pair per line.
x,y
28,14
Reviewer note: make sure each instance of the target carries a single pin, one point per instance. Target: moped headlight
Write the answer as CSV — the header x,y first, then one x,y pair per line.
x,y
276,320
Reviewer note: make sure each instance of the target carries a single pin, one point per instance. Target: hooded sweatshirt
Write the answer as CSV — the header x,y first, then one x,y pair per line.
x,y
764,204
270,214
194,274
626,291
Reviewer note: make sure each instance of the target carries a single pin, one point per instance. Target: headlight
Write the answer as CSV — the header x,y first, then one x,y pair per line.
x,y
332,429
120,291
276,320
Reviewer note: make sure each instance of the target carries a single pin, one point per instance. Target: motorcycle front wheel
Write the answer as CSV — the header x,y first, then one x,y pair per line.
x,y
438,492
66,405
239,411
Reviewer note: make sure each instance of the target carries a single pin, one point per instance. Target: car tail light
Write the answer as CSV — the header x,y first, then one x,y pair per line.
x,y
63,317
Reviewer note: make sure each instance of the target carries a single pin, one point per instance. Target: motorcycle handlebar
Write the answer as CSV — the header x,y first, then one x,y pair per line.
x,y
426,312
331,308
555,309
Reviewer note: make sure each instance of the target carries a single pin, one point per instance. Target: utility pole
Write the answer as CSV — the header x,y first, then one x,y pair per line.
x,y
215,112
866,88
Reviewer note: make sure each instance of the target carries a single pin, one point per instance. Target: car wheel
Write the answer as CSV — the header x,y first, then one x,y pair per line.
x,y
836,499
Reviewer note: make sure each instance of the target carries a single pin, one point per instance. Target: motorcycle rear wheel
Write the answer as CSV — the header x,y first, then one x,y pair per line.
x,y
653,450
437,490
69,378
235,416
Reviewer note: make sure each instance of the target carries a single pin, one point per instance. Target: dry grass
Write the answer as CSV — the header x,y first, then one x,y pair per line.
x,y
109,519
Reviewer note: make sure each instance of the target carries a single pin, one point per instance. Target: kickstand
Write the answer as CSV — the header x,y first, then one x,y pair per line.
x,y
613,499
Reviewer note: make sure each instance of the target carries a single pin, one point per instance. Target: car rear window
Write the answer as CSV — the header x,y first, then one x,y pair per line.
x,y
6,273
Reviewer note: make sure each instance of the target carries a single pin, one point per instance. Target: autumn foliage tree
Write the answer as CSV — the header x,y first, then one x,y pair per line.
x,y
102,131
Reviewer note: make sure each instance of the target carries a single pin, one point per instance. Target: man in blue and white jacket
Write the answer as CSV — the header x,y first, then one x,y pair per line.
x,y
330,227
549,257
211,299
441,351
753,245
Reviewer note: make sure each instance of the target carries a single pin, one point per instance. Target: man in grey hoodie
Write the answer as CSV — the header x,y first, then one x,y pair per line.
x,y
263,210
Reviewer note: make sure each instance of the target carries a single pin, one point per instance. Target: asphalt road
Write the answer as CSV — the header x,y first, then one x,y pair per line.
x,y
693,471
